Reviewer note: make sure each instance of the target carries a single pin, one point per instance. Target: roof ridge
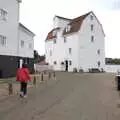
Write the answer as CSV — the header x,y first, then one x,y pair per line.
x,y
62,17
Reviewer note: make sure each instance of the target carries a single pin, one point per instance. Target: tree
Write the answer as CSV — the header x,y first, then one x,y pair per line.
x,y
37,57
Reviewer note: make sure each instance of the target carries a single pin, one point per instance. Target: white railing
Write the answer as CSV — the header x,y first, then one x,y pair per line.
x,y
42,68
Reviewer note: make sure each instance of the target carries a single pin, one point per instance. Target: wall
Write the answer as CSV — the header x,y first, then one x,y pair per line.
x,y
9,28
88,56
25,51
60,51
8,66
112,68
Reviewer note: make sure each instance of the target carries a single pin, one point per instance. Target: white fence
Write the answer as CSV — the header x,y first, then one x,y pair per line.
x,y
112,68
41,68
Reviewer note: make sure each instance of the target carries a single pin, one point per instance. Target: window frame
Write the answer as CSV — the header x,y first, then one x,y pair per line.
x,y
91,17
22,43
92,38
98,51
92,27
3,40
3,14
55,63
70,51
55,41
65,39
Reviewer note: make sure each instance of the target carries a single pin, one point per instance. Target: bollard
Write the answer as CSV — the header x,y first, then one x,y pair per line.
x,y
54,75
49,75
10,88
42,77
34,80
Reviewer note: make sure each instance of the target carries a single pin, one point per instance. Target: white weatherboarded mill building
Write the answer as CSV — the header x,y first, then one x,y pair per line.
x,y
16,41
76,43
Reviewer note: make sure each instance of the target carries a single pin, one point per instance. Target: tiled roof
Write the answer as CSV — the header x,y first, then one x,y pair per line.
x,y
50,34
76,24
21,25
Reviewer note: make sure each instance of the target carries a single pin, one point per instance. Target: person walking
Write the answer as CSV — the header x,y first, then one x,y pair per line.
x,y
23,77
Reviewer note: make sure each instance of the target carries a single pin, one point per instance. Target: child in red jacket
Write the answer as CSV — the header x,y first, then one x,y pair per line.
x,y
23,76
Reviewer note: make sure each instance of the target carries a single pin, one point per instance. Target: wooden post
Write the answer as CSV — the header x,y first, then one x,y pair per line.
x,y
49,75
34,80
42,77
10,88
54,75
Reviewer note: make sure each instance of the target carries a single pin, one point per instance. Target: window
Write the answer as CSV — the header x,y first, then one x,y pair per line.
x,y
2,40
91,17
54,33
3,15
98,52
22,43
50,52
92,38
30,46
70,50
54,41
55,62
98,63
65,40
68,28
70,62
92,27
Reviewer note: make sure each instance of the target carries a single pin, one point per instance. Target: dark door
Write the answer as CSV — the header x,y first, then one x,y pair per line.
x,y
1,74
66,65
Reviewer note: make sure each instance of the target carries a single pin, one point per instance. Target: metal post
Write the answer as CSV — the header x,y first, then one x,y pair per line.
x,y
10,87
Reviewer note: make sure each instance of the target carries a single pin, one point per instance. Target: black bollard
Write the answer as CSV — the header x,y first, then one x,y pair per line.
x,y
10,88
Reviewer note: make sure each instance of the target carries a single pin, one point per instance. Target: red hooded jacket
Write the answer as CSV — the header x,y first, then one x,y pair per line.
x,y
23,75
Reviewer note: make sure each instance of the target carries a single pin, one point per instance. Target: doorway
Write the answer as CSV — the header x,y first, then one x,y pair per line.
x,y
66,65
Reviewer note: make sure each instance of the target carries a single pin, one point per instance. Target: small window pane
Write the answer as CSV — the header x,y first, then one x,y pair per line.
x,y
91,17
55,62
91,27
3,14
70,62
54,41
65,40
70,50
2,40
98,52
92,38
50,52
98,63
22,43
30,46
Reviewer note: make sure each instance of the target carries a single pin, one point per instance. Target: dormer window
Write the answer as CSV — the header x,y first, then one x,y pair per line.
x,y
68,28
54,33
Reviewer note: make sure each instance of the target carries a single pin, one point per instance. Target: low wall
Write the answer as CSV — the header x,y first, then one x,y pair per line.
x,y
112,68
41,68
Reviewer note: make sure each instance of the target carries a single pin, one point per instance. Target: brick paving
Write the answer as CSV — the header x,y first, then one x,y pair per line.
x,y
69,97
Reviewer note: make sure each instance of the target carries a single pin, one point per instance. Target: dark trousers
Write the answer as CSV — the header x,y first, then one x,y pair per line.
x,y
23,88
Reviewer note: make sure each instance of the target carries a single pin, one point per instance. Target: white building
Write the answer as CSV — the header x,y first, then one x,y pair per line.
x,y
16,41
78,43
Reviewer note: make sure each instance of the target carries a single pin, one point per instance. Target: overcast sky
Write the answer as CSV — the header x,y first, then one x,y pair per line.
x,y
38,15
